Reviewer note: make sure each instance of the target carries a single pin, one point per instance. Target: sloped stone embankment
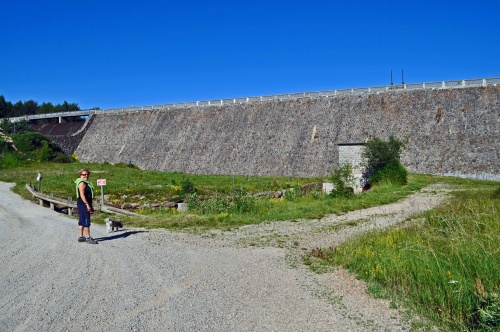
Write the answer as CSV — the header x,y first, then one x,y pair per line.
x,y
449,131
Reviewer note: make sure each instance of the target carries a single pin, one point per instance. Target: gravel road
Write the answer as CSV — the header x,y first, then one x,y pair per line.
x,y
249,279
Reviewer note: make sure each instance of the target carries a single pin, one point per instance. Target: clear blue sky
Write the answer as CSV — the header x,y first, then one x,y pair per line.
x,y
111,53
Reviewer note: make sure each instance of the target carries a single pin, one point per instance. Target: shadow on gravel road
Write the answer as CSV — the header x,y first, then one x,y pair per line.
x,y
124,234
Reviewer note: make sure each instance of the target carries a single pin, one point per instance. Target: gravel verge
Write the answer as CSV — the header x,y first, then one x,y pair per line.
x,y
248,279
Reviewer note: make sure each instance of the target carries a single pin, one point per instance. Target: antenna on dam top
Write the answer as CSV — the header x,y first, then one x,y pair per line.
x,y
391,78
402,77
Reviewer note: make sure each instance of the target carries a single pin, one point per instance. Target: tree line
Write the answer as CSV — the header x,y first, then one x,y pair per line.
x,y
31,107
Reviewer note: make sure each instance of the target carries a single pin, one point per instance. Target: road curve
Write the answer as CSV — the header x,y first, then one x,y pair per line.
x,y
147,280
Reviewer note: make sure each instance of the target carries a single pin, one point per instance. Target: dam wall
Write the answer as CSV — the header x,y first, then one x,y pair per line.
x,y
67,135
447,132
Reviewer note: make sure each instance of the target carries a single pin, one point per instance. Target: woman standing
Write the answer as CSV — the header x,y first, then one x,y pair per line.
x,y
84,195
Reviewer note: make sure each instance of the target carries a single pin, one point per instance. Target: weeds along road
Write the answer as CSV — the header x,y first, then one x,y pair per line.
x,y
149,280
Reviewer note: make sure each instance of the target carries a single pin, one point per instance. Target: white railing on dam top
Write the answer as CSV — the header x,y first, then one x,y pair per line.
x,y
280,97
316,94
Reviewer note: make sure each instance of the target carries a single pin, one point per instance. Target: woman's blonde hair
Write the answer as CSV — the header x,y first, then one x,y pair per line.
x,y
83,170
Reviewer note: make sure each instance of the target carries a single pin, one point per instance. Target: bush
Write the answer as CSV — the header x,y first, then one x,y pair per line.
x,y
496,193
28,141
342,180
242,202
4,145
14,127
45,153
9,160
395,173
383,161
488,314
61,158
187,186
293,194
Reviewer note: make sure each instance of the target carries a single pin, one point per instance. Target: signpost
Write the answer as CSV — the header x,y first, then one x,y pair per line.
x,y
102,183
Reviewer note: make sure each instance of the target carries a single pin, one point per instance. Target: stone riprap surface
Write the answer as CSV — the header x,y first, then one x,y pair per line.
x,y
67,134
448,131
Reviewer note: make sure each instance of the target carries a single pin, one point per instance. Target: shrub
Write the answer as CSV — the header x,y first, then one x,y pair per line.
x,y
187,186
4,145
293,194
395,173
60,157
342,180
496,193
242,202
28,141
488,314
9,160
14,127
45,153
383,161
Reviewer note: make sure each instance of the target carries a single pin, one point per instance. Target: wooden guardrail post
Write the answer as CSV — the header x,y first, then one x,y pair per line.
x,y
70,209
70,205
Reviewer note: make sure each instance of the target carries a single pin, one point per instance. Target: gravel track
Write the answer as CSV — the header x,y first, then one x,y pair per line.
x,y
249,279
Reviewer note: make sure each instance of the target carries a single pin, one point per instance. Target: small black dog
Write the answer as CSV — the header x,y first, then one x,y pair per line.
x,y
113,225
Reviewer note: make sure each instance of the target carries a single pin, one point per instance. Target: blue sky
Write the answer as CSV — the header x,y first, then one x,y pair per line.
x,y
125,53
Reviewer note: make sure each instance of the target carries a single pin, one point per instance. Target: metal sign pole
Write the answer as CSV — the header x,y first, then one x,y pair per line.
x,y
102,183
102,196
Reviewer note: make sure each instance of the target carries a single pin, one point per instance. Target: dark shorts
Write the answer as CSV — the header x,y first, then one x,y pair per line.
x,y
84,215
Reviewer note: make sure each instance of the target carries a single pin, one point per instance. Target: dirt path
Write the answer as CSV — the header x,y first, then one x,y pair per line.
x,y
249,279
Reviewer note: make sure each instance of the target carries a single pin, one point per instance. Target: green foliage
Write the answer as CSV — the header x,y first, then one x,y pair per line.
x,y
4,145
5,126
447,265
395,173
30,107
5,107
487,316
187,187
9,160
133,185
293,194
496,193
8,127
217,204
124,165
434,263
383,161
59,157
45,153
342,180
28,145
28,141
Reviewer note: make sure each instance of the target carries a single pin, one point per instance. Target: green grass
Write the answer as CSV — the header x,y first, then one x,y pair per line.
x,y
129,184
446,266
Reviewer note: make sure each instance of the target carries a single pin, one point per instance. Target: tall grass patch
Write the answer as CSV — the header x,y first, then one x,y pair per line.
x,y
447,264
